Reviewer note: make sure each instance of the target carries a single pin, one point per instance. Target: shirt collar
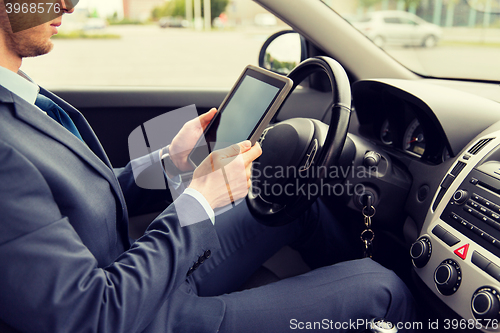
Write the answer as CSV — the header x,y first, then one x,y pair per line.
x,y
19,84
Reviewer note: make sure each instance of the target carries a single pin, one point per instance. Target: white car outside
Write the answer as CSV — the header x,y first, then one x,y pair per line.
x,y
394,27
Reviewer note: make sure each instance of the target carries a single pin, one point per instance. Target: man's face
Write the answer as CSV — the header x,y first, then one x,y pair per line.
x,y
30,42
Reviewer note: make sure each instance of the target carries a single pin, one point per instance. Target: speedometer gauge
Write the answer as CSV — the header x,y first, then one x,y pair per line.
x,y
414,139
386,133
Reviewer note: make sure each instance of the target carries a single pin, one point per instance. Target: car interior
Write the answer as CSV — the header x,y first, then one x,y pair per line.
x,y
429,148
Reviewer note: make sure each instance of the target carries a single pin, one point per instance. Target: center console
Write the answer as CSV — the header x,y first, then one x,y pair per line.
x,y
457,254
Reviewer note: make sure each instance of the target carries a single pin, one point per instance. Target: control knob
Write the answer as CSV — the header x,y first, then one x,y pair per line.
x,y
461,196
448,277
486,303
420,252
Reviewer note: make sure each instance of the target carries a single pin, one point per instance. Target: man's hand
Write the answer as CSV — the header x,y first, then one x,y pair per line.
x,y
224,176
186,139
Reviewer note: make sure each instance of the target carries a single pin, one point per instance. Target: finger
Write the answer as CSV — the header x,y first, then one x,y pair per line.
x,y
233,150
207,117
250,155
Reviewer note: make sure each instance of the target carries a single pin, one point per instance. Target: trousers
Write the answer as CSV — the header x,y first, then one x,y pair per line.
x,y
342,297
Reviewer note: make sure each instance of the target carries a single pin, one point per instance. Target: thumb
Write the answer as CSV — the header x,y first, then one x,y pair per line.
x,y
234,150
207,117
253,153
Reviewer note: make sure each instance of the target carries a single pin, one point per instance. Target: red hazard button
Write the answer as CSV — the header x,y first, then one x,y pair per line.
x,y
462,251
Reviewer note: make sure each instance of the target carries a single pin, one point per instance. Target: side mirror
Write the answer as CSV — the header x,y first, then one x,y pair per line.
x,y
282,52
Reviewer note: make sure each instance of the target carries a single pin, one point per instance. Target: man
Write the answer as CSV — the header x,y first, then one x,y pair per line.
x,y
68,264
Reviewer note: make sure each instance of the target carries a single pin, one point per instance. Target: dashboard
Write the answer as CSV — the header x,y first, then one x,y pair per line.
x,y
449,142
419,120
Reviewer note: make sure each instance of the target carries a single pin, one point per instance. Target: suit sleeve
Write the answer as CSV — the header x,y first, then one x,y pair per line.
x,y
140,199
50,282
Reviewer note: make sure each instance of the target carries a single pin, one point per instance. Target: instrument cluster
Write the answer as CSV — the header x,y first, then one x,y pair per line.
x,y
413,135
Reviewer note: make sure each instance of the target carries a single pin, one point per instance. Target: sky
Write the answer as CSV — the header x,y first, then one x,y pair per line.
x,y
104,7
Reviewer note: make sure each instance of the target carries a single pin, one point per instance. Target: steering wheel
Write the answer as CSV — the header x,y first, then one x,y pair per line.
x,y
297,153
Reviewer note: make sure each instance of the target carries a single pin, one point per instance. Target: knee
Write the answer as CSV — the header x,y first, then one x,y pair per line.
x,y
390,294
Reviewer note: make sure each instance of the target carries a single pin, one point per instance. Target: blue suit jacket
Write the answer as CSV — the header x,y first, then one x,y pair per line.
x,y
65,257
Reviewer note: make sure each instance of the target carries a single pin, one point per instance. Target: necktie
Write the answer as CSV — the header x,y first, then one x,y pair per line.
x,y
55,112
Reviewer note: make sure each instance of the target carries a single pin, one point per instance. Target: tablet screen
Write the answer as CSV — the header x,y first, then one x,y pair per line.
x,y
243,112
240,115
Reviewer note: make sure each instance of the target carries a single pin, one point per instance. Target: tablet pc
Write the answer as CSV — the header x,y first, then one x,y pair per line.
x,y
245,112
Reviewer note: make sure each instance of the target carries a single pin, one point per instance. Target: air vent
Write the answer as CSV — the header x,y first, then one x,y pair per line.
x,y
478,146
456,170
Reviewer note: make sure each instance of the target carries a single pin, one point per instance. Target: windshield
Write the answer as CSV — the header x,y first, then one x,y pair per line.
x,y
154,43
438,38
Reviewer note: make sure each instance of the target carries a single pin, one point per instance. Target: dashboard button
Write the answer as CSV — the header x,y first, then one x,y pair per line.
x,y
479,260
478,198
478,231
494,216
439,231
473,204
475,197
469,209
447,181
444,235
465,223
492,223
488,238
455,217
461,252
494,271
495,208
449,239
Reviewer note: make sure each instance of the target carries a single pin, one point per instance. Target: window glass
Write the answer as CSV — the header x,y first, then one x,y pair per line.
x,y
408,21
449,38
392,20
154,43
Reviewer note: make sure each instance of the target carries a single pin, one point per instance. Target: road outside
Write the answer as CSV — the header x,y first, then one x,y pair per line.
x,y
150,56
462,53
